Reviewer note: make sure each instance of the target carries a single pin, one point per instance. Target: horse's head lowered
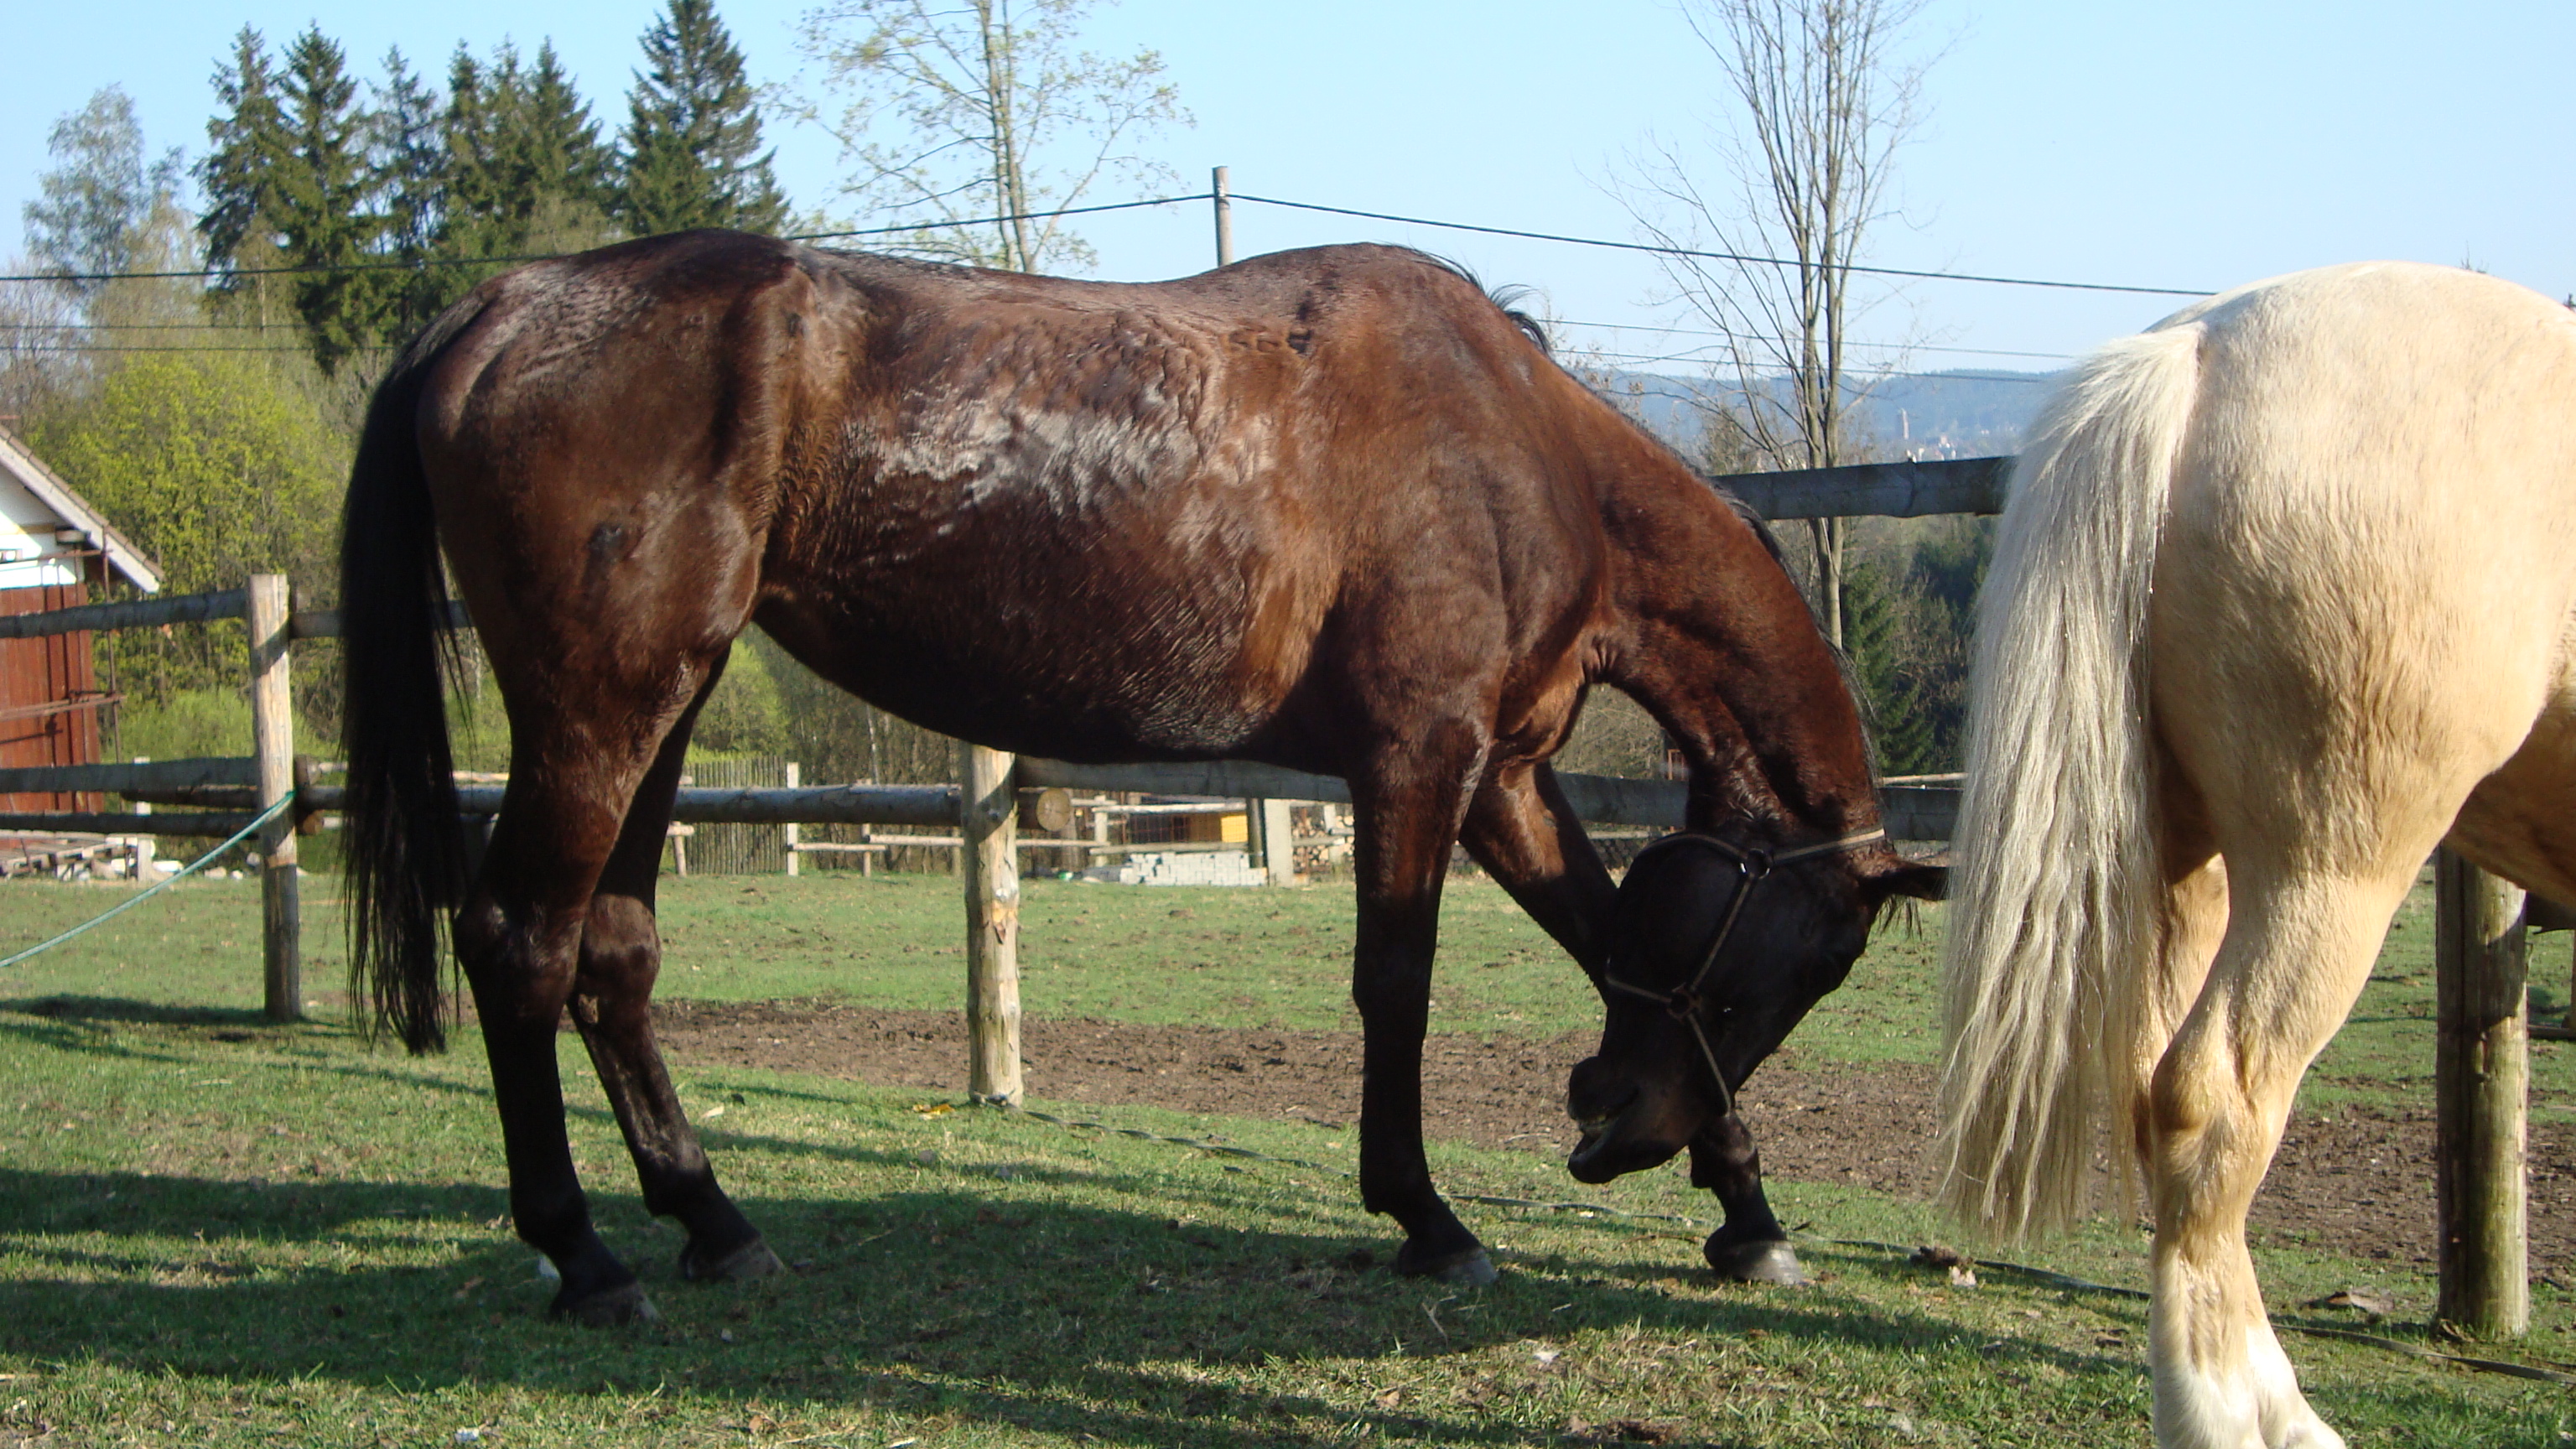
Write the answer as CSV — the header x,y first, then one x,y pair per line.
x,y
1717,949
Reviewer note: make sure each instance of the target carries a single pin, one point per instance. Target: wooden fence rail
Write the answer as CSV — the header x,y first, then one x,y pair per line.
x,y
128,614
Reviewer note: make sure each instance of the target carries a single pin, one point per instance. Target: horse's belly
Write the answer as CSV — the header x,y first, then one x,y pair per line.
x,y
2520,822
1061,681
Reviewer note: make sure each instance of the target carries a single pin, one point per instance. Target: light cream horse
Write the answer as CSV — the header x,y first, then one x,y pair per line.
x,y
2285,595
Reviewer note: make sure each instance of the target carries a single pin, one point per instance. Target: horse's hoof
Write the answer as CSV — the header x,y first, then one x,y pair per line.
x,y
1467,1268
1769,1261
751,1260
610,1308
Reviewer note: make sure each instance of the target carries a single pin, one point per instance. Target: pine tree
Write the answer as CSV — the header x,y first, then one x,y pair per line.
x,y
408,167
239,175
1906,737
559,142
322,193
691,130
524,167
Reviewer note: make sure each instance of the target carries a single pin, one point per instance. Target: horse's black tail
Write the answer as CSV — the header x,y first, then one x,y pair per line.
x,y
404,840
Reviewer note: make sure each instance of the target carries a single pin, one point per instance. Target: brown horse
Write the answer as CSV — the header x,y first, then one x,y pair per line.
x,y
1329,509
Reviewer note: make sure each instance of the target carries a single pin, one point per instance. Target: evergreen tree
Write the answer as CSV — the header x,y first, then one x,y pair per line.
x,y
524,166
409,171
322,190
246,147
559,143
691,130
1905,735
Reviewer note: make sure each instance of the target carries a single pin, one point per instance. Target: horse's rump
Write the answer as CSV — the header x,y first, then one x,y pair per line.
x,y
2297,561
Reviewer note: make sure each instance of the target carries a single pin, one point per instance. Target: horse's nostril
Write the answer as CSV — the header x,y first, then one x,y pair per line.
x,y
1595,1092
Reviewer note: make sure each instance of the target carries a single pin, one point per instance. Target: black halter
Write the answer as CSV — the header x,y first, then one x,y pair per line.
x,y
1752,864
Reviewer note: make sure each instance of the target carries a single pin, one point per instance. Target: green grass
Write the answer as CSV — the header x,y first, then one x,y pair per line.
x,y
1230,958
219,1232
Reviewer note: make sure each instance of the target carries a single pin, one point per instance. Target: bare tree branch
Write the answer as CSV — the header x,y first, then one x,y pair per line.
x,y
1821,105
984,108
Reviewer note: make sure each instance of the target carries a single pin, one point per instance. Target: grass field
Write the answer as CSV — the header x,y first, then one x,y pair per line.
x,y
216,1231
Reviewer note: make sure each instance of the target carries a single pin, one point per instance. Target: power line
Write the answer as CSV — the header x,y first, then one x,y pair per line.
x,y
102,347
427,262
918,226
1555,322
1585,241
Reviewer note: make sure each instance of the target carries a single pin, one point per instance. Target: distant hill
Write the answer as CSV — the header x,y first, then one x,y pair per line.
x,y
1961,414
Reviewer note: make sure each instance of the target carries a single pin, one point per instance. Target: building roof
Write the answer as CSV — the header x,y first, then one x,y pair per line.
x,y
67,513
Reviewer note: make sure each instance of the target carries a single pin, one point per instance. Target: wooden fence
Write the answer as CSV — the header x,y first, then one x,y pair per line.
x,y
2483,1022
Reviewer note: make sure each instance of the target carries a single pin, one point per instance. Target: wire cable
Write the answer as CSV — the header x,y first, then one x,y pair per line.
x,y
139,897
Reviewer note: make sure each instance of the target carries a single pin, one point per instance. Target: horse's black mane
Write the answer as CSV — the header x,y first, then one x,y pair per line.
x,y
1507,298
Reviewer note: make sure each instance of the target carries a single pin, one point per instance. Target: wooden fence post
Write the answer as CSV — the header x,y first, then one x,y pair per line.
x,y
1275,843
790,837
990,861
272,722
1223,196
2481,1075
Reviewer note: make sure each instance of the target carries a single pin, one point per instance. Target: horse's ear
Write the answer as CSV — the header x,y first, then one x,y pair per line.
x,y
1894,875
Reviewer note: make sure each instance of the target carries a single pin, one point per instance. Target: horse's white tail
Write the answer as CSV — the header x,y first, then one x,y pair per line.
x,y
2055,904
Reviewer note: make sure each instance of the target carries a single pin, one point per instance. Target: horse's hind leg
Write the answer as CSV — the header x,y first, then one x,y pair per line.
x,y
2299,944
621,955
577,763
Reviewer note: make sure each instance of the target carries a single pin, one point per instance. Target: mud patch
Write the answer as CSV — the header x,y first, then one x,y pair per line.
x,y
2354,1182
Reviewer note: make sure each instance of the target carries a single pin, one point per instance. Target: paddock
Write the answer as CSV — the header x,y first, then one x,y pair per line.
x,y
246,785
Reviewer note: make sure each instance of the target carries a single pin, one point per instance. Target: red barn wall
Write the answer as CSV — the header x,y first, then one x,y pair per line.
x,y
37,678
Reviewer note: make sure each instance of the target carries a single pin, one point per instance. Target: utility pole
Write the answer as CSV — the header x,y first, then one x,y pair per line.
x,y
1224,200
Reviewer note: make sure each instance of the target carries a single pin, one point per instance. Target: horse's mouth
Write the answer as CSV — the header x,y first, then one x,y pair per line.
x,y
1626,1128
1603,1153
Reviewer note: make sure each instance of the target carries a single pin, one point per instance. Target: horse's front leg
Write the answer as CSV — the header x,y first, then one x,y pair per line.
x,y
1521,830
1408,818
1751,1246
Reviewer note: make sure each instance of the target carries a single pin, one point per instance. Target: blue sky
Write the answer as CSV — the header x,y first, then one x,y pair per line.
x,y
2187,143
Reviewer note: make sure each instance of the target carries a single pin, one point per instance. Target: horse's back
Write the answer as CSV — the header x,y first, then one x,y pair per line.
x,y
2365,591
1094,519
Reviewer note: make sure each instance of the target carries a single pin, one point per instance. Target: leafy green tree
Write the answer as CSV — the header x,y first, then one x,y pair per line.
x,y
692,128
743,715
217,464
96,202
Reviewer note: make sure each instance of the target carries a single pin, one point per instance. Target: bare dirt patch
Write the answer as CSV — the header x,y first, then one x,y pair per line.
x,y
2351,1181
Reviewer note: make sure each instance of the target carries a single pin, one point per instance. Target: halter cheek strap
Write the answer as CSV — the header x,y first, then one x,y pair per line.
x,y
1752,864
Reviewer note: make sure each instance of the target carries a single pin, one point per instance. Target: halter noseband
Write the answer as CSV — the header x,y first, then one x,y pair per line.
x,y
1752,864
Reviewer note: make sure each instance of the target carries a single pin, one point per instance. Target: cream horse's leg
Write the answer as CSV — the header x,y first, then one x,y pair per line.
x,y
2299,945
2291,829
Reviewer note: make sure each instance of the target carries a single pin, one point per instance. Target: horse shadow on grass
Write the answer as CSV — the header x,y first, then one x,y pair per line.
x,y
1033,1299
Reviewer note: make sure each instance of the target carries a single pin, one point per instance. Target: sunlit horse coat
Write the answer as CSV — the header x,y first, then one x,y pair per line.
x,y
2284,597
